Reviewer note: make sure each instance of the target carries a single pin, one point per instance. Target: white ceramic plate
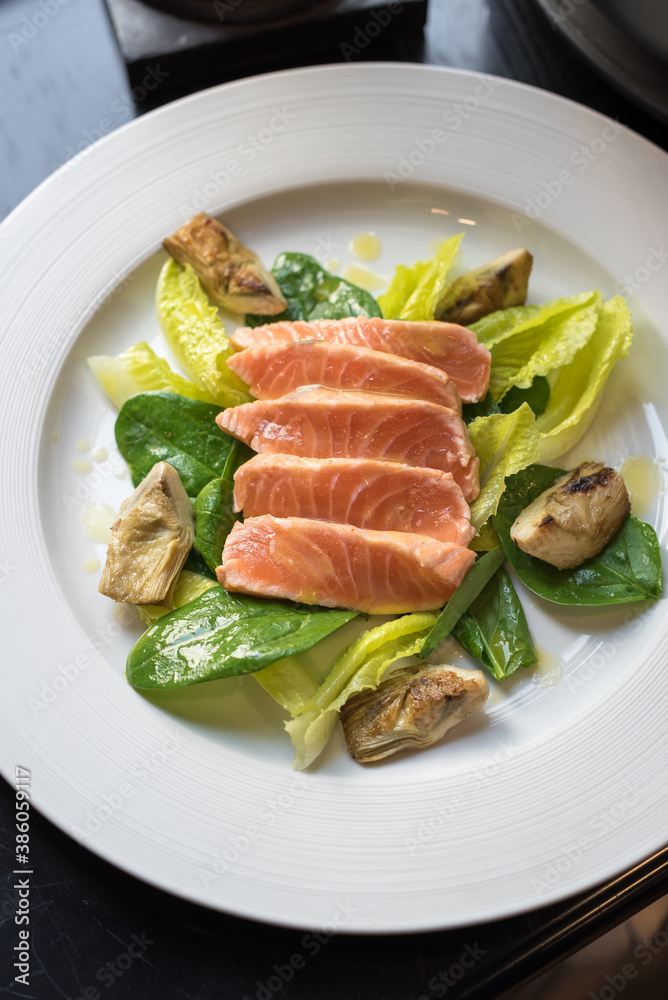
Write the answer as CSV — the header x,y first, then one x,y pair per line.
x,y
559,785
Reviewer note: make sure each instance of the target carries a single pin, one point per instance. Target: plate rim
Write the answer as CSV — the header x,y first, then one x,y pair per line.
x,y
109,142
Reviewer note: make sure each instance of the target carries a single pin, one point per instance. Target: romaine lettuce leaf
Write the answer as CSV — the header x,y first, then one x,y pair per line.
x,y
195,332
415,290
576,392
538,348
505,443
137,370
360,666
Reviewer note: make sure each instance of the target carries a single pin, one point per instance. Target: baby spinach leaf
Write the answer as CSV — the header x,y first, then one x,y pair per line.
x,y
494,630
477,577
483,408
537,396
165,427
215,518
627,569
222,635
313,293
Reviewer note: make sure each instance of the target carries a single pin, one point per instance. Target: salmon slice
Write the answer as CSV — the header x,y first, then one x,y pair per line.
x,y
341,566
331,423
368,493
274,370
447,346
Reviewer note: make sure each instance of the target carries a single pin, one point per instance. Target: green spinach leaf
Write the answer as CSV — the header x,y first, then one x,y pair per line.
x,y
537,396
477,577
222,635
628,569
494,630
313,293
165,427
483,408
215,519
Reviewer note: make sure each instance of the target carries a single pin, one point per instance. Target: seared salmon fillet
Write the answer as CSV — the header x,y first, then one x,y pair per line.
x,y
331,423
339,565
368,493
273,370
447,346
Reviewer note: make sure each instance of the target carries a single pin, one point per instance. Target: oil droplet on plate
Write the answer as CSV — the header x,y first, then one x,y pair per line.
x,y
363,277
333,264
100,454
82,465
366,246
91,565
96,522
82,445
645,481
549,670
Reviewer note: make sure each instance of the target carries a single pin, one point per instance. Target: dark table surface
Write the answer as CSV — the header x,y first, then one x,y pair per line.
x,y
95,929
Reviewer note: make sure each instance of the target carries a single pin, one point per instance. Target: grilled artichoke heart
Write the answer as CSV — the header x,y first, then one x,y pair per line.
x,y
232,274
575,518
500,284
413,708
150,541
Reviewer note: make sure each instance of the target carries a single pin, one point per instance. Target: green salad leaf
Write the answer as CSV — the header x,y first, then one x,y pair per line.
x,y
215,518
165,427
414,291
537,347
504,443
195,332
189,585
313,293
140,369
494,630
537,396
477,577
360,666
627,569
221,634
287,681
576,391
